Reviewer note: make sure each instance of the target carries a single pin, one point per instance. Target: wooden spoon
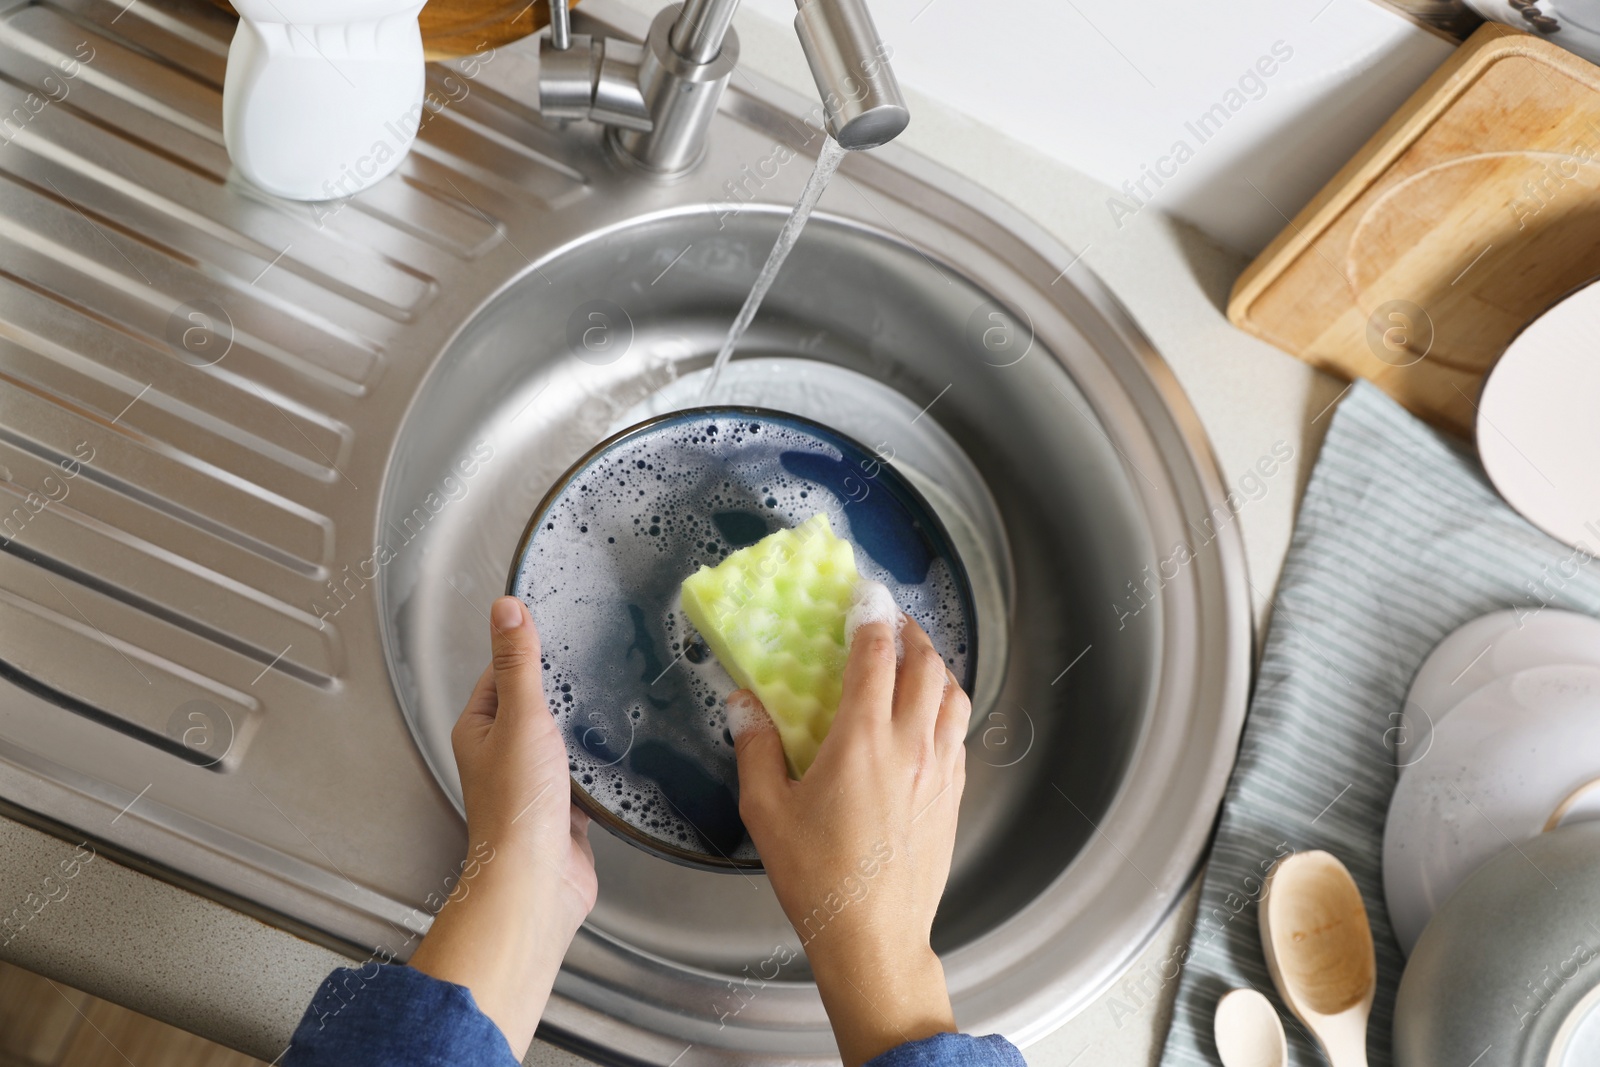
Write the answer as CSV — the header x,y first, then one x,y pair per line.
x,y
1319,949
1249,1032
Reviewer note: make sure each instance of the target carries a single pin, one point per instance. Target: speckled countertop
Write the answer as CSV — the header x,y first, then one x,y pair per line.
x,y
140,941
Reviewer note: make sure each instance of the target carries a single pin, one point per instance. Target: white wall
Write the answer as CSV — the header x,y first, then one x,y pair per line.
x,y
1111,88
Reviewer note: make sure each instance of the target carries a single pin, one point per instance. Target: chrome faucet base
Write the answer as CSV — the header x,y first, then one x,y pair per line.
x,y
680,96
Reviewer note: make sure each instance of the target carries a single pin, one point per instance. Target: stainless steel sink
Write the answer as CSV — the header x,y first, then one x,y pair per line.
x,y
298,443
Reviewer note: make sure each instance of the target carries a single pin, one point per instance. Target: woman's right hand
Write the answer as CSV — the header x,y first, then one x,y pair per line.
x,y
859,850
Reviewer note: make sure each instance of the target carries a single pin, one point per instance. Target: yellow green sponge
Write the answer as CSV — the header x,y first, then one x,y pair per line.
x,y
773,613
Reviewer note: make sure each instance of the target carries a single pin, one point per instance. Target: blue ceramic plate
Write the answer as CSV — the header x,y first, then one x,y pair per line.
x,y
638,696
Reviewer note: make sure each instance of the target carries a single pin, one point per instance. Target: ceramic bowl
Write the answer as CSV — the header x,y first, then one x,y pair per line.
x,y
1508,971
1501,765
638,697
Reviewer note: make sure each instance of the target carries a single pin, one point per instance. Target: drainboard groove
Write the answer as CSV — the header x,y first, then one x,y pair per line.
x,y
172,747
150,200
139,27
274,658
306,567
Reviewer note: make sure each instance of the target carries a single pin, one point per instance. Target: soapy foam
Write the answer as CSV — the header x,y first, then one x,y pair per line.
x,y
745,714
874,603
620,673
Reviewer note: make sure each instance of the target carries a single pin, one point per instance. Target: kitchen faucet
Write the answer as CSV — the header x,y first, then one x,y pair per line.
x,y
658,98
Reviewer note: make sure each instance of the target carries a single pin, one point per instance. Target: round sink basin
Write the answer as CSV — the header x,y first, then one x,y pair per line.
x,y
1106,728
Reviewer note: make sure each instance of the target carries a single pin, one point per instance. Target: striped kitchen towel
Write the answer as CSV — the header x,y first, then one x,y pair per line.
x,y
1400,539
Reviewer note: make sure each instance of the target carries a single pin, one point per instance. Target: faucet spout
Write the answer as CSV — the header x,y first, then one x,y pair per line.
x,y
850,64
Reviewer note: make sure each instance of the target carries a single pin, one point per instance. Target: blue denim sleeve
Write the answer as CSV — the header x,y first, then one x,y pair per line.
x,y
952,1050
396,1017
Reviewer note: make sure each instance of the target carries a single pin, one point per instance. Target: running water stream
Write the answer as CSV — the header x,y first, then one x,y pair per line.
x,y
827,162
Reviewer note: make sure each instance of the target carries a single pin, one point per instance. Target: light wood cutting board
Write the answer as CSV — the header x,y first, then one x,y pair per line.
x,y
1471,211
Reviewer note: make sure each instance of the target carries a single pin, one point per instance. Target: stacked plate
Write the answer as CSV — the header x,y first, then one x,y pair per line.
x,y
1498,743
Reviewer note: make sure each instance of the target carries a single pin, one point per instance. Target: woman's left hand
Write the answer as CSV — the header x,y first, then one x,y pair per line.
x,y
505,929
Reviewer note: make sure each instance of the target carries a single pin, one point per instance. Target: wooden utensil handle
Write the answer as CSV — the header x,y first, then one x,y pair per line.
x,y
1344,1037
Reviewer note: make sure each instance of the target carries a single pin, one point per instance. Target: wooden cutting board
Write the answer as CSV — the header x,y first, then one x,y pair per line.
x,y
461,27
453,28
1475,208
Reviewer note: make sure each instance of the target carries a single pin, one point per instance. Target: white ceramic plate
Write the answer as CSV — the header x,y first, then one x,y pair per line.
x,y
1537,432
1502,762
1489,647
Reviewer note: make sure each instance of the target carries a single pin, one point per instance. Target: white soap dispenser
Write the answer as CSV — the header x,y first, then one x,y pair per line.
x,y
322,97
